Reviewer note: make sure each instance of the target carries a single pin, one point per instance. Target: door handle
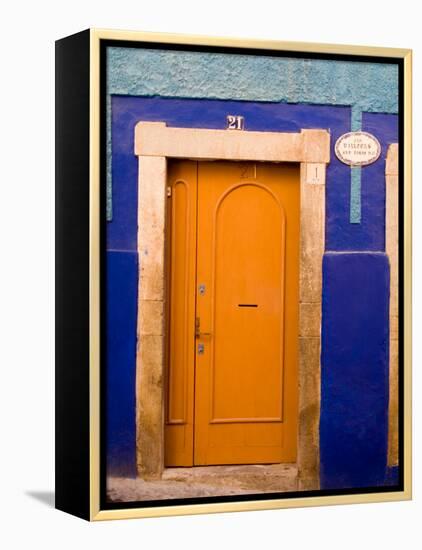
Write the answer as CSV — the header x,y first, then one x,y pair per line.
x,y
198,333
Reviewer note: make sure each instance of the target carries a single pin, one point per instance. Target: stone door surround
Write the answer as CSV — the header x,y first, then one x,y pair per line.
x,y
154,143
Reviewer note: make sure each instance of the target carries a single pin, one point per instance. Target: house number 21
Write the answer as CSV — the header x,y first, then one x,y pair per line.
x,y
235,122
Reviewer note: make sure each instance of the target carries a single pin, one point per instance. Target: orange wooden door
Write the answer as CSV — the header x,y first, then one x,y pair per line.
x,y
181,292
240,315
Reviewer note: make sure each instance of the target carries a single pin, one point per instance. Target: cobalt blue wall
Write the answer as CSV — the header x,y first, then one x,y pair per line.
x,y
355,330
354,370
121,305
340,409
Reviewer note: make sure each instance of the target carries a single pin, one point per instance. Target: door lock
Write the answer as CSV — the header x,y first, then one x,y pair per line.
x,y
198,333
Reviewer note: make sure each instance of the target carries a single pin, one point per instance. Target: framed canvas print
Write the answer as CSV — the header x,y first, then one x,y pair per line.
x,y
233,274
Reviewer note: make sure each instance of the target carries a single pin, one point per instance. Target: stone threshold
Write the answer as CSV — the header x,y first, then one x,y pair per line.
x,y
204,481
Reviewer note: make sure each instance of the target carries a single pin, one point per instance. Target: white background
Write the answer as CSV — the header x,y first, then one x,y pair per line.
x,y
27,272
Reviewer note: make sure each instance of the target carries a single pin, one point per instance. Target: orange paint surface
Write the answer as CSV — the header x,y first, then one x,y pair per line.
x,y
234,229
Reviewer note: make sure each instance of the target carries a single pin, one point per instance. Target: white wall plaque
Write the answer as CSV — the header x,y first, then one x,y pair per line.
x,y
357,148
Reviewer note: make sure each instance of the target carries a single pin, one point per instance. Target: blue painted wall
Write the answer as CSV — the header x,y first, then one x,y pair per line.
x,y
121,305
354,396
354,370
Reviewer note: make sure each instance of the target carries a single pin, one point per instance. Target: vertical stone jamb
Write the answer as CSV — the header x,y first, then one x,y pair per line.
x,y
391,248
312,243
151,296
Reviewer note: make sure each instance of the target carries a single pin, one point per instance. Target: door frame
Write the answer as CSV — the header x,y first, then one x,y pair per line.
x,y
154,143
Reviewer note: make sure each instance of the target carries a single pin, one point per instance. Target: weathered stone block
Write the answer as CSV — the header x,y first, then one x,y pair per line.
x,y
312,220
150,416
151,227
392,160
393,409
394,327
310,319
309,404
151,315
316,147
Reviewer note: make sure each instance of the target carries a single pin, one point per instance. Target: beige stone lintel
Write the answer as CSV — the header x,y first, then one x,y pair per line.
x,y
392,160
156,139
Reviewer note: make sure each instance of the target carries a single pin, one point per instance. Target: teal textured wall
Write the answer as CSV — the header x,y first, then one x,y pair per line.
x,y
368,86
